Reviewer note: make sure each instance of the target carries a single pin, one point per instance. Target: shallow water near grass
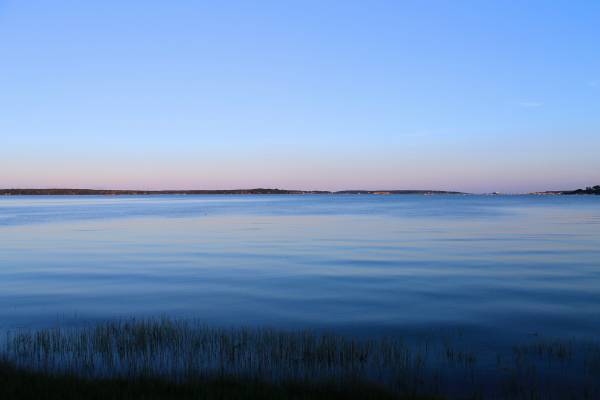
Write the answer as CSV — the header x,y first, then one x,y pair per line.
x,y
509,266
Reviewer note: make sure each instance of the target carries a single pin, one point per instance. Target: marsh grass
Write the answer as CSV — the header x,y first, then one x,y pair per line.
x,y
189,355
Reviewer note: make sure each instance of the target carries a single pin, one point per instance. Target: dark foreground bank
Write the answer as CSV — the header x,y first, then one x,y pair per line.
x,y
22,384
152,359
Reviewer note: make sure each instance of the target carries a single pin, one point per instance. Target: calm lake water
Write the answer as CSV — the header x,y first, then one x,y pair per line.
x,y
505,264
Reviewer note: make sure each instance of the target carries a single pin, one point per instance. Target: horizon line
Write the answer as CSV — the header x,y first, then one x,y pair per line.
x,y
256,190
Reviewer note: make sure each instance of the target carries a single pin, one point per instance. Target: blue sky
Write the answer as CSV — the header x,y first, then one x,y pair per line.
x,y
466,95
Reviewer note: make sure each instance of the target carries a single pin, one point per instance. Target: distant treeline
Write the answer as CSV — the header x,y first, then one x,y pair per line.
x,y
93,192
587,190
55,192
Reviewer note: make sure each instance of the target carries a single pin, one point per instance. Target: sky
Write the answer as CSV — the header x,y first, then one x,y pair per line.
x,y
475,96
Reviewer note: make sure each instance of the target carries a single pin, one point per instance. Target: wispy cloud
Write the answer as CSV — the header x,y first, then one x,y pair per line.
x,y
417,134
530,104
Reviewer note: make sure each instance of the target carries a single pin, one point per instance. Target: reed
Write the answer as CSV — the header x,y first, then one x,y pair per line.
x,y
179,352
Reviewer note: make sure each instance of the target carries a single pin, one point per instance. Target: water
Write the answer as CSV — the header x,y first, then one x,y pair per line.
x,y
511,265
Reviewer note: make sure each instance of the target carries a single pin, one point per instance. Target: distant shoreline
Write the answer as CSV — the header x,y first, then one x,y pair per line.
x,y
113,192
102,192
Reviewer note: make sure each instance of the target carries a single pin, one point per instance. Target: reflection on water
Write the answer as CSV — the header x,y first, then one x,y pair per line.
x,y
511,265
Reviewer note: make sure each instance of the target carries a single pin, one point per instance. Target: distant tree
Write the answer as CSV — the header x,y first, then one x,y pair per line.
x,y
588,190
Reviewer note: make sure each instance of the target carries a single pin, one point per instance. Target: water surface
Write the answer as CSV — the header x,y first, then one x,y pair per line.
x,y
503,264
